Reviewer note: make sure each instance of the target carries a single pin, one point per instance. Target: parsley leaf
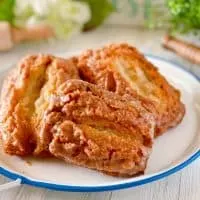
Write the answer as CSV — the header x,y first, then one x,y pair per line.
x,y
185,15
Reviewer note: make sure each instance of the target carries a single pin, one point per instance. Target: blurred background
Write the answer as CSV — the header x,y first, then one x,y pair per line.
x,y
167,28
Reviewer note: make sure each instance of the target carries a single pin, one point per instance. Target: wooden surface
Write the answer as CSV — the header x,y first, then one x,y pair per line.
x,y
185,185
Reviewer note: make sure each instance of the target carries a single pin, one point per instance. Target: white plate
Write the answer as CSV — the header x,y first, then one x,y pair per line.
x,y
171,152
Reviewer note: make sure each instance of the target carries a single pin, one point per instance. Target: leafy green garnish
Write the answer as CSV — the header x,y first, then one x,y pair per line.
x,y
100,10
185,15
6,10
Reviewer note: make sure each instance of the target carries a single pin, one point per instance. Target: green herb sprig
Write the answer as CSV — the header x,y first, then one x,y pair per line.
x,y
185,15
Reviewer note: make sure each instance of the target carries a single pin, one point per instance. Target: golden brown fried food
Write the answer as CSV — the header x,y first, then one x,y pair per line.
x,y
25,97
98,129
123,70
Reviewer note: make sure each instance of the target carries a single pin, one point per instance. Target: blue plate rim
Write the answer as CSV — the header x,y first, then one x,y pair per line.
x,y
69,188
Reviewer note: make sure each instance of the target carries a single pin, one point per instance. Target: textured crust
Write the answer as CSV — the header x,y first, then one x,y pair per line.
x,y
108,126
98,129
24,99
123,70
42,111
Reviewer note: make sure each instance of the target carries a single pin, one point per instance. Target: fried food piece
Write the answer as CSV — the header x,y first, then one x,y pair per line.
x,y
123,70
98,129
25,97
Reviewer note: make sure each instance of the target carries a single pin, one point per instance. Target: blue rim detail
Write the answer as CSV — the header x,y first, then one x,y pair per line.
x,y
69,188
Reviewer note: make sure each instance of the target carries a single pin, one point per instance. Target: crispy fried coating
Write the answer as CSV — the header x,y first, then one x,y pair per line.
x,y
120,68
107,124
98,129
25,97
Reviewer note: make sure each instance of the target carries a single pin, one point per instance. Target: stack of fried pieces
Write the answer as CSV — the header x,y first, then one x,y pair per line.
x,y
101,109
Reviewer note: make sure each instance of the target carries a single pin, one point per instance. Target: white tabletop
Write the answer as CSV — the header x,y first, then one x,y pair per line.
x,y
184,185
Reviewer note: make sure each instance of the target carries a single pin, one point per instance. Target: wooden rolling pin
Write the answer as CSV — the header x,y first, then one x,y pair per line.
x,y
9,36
186,50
